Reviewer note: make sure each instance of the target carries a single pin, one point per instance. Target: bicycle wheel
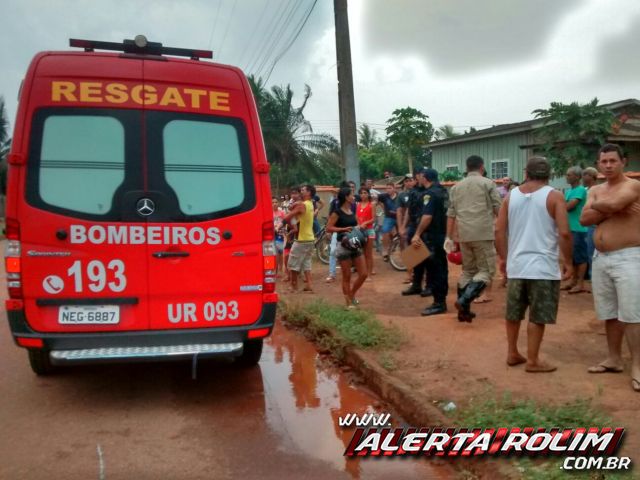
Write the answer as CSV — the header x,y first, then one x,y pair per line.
x,y
394,258
323,248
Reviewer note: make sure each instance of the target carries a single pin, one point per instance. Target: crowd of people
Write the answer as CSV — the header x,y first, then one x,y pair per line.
x,y
537,236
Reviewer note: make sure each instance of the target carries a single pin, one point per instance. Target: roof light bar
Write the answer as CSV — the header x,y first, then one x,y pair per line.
x,y
140,45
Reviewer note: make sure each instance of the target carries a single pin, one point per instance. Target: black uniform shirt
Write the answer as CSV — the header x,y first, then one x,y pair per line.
x,y
434,203
416,204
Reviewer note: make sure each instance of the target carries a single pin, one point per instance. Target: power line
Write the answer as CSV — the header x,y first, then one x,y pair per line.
x,y
215,22
286,49
276,38
269,32
256,27
233,9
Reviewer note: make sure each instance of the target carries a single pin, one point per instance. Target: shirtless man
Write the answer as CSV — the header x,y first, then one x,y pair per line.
x,y
614,207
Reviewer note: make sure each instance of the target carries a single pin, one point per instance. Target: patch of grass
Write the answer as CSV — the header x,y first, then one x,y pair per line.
x,y
506,412
335,328
387,361
492,412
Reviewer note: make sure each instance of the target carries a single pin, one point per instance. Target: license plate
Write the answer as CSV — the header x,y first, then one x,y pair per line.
x,y
89,315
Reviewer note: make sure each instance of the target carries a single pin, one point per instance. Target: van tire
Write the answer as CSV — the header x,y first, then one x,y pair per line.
x,y
251,353
40,362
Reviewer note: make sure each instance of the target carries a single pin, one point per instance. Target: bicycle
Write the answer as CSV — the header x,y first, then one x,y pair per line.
x,y
322,245
395,259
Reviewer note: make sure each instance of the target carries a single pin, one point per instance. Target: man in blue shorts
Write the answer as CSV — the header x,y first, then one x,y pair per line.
x,y
389,201
576,197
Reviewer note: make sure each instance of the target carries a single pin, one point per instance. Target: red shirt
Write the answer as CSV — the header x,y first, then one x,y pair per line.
x,y
364,213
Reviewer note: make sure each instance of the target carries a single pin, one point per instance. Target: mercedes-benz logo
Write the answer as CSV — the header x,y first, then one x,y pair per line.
x,y
145,207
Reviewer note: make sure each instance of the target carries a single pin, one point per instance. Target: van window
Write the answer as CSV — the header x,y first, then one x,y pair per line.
x,y
81,162
96,163
203,165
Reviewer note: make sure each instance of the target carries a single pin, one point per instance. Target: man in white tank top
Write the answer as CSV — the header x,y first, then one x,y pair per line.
x,y
534,218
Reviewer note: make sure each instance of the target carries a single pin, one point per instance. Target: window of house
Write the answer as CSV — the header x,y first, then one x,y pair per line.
x,y
499,169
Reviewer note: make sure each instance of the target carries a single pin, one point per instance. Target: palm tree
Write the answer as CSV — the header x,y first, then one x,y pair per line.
x,y
444,132
4,125
288,136
5,145
368,137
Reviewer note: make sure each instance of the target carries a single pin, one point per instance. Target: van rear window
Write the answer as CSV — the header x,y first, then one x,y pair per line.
x,y
203,165
96,164
81,174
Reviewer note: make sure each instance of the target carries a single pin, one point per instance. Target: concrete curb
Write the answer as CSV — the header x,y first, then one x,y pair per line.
x,y
410,405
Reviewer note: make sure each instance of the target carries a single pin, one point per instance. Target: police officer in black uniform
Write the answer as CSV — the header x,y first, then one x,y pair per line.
x,y
414,207
432,231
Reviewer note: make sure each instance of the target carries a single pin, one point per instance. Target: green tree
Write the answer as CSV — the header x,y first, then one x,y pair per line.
x,y
5,145
409,130
571,133
451,175
444,132
295,152
367,137
380,158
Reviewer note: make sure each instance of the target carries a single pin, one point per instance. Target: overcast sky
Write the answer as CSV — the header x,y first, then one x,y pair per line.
x,y
462,62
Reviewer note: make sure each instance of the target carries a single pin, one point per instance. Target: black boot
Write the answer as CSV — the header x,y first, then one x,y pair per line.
x,y
463,315
465,297
434,309
412,290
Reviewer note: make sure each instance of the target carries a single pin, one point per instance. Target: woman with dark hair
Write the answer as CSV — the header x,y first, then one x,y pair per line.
x,y
365,216
342,220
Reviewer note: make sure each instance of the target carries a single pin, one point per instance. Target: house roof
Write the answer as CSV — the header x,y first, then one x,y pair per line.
x,y
526,126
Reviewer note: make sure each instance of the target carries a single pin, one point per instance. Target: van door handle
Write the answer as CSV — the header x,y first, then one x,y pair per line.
x,y
170,254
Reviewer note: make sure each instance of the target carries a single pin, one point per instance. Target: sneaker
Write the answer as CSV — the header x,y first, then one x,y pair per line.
x,y
330,279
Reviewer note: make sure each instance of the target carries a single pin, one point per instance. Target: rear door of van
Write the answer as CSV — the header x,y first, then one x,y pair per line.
x,y
84,270
200,153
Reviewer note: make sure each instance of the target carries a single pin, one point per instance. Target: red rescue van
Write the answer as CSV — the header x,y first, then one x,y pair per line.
x,y
139,221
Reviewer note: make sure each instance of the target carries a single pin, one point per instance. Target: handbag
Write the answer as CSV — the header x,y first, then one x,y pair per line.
x,y
354,240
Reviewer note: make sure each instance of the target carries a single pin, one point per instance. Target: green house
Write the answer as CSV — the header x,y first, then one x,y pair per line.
x,y
506,148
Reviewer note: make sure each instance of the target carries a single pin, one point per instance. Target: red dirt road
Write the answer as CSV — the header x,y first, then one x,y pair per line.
x,y
447,360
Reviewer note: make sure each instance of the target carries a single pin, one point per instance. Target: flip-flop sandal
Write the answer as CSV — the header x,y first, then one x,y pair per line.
x,y
567,287
604,369
541,369
575,292
483,300
635,384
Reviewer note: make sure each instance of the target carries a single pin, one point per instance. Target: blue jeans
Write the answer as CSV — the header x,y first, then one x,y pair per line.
x,y
332,254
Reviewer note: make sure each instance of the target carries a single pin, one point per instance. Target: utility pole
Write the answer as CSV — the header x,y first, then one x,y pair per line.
x,y
346,102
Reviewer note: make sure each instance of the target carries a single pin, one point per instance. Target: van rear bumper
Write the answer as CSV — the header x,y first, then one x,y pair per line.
x,y
142,345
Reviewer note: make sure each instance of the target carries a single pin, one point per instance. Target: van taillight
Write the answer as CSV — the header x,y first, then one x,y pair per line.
x,y
268,233
13,268
269,257
12,229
